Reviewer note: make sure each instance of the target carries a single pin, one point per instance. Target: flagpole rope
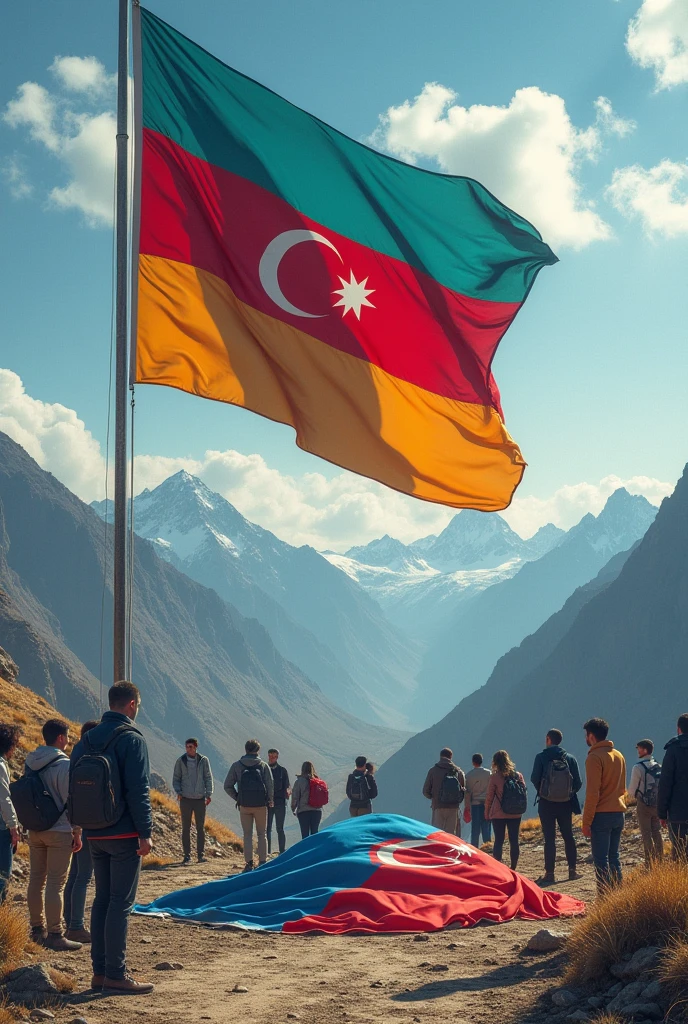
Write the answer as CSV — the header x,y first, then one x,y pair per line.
x,y
130,581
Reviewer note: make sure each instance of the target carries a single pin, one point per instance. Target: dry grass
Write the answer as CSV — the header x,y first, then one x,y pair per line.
x,y
153,863
14,935
529,826
673,973
608,1018
64,983
213,827
20,706
650,908
8,1013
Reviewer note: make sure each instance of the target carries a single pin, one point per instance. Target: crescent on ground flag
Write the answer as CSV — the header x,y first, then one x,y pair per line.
x,y
376,873
290,270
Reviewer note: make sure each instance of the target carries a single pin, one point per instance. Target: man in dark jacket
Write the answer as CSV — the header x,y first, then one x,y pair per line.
x,y
118,850
672,800
557,779
445,797
282,792
361,789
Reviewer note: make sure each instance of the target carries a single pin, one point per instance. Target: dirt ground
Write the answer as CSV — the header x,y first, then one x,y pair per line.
x,y
469,976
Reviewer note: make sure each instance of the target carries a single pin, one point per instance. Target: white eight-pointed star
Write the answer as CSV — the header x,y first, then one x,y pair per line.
x,y
353,294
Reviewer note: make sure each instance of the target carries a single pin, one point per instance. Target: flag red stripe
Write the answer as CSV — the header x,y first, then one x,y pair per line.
x,y
418,331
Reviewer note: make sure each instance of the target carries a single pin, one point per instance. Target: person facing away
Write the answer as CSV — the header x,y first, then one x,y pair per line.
x,y
644,787
361,788
605,803
80,874
50,851
506,793
249,783
282,792
557,780
9,825
445,787
118,849
672,800
192,781
477,782
309,816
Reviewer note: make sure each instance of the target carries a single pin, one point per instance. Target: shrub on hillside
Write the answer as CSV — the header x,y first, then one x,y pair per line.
x,y
650,908
673,973
14,935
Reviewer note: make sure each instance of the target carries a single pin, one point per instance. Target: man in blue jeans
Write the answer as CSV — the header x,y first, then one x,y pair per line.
x,y
605,803
477,781
117,850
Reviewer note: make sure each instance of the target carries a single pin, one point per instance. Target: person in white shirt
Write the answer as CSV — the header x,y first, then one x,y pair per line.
x,y
644,789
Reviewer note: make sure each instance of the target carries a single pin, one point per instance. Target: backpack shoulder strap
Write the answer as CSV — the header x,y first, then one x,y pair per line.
x,y
39,771
184,760
114,735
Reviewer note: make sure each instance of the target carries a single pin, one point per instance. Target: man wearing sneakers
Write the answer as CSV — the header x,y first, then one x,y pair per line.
x,y
557,780
50,851
249,783
193,783
605,802
644,786
361,789
281,793
477,782
118,849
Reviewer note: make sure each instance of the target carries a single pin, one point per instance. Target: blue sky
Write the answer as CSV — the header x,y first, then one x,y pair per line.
x,y
593,373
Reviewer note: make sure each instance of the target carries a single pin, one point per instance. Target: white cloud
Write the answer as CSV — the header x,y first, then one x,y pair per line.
x,y
569,504
528,153
83,74
14,174
54,436
658,39
308,509
658,196
83,141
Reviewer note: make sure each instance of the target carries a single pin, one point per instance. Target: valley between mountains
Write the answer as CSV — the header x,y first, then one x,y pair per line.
x,y
388,649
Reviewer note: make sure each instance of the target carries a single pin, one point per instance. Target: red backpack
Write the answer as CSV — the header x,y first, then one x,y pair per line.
x,y
317,792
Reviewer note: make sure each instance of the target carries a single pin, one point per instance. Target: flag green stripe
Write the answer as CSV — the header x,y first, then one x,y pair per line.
x,y
450,228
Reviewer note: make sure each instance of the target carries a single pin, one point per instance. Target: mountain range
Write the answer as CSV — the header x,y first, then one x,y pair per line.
x,y
202,666
617,649
317,617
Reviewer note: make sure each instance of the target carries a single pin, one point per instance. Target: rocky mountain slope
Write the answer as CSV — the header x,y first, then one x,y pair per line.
x,y
318,618
463,655
617,649
203,668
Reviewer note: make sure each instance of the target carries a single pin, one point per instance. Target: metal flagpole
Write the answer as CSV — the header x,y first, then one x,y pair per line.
x,y
121,322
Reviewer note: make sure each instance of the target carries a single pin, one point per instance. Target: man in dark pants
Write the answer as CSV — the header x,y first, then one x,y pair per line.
x,y
672,799
556,778
276,814
117,850
192,781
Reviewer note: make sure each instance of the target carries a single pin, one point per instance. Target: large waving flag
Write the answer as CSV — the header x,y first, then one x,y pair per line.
x,y
377,873
288,269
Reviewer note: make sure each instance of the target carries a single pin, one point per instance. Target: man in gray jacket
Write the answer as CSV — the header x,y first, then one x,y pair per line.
x,y
445,786
249,782
50,852
193,784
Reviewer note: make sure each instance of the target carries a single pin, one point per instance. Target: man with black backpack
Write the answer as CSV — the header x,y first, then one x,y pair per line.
x,y
40,800
361,789
192,781
109,795
644,786
445,787
557,779
249,782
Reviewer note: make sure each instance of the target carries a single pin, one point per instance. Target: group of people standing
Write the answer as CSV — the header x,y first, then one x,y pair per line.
x,y
497,799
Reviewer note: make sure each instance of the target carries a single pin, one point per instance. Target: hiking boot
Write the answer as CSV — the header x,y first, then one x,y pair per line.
x,y
574,875
60,944
39,935
249,867
187,860
547,879
126,986
202,859
82,935
97,982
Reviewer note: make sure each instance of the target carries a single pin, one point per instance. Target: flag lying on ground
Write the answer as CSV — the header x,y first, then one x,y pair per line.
x,y
376,873
288,269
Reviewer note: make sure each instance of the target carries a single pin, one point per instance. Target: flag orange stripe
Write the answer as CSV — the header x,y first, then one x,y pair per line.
x,y
195,335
